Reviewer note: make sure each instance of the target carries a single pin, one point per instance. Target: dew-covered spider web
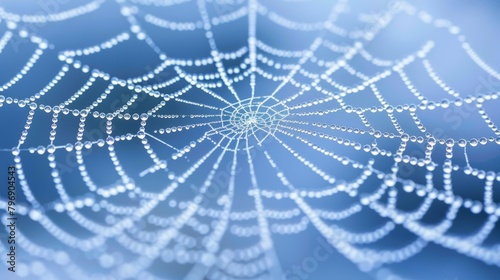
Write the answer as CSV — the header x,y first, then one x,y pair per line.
x,y
231,139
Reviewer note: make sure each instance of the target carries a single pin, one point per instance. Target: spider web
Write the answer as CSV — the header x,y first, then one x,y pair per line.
x,y
204,163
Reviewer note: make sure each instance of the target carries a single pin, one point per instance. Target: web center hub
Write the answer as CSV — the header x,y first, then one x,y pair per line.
x,y
252,119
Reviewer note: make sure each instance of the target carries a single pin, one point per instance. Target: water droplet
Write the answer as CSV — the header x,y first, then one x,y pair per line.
x,y
110,140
